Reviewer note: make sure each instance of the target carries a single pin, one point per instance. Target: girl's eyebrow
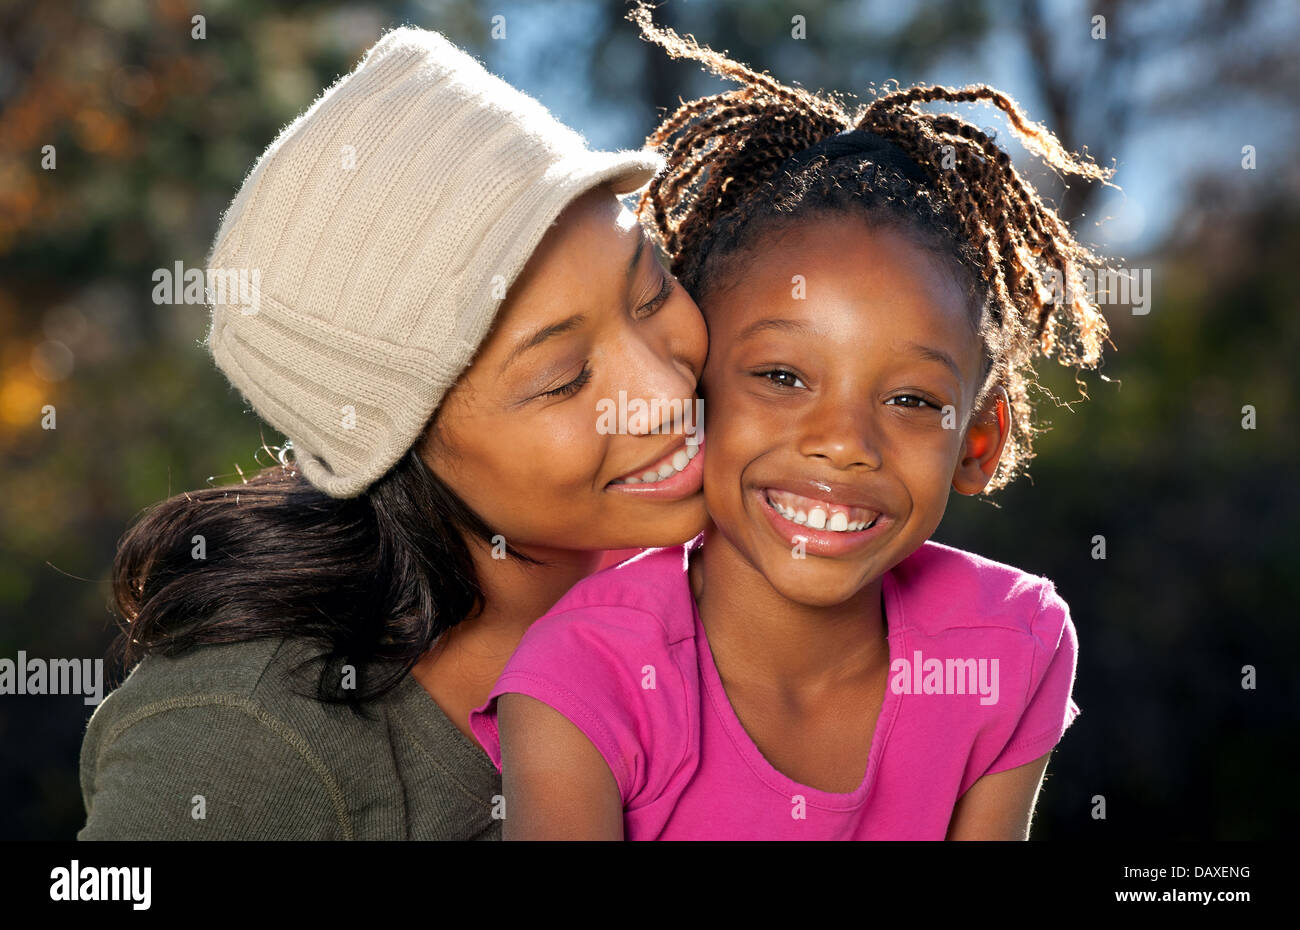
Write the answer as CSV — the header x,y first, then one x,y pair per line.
x,y
782,325
931,354
921,351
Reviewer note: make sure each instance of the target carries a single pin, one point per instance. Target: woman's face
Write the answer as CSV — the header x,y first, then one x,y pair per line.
x,y
530,437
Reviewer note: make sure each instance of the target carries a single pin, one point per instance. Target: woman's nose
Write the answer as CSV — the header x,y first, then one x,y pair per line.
x,y
663,374
688,336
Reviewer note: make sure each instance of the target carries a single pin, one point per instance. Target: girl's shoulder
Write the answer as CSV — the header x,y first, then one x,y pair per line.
x,y
942,588
616,657
648,593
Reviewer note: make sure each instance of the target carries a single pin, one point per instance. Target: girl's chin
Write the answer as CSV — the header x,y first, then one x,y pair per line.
x,y
811,591
812,581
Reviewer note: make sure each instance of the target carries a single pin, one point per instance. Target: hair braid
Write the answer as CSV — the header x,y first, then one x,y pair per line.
x,y
723,187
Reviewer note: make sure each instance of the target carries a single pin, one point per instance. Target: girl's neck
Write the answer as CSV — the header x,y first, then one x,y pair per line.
x,y
764,641
463,665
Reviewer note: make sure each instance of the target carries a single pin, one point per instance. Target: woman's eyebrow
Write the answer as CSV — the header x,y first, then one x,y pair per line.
x,y
636,256
571,323
541,335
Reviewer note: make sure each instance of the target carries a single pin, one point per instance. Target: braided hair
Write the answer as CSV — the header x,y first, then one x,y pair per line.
x,y
729,179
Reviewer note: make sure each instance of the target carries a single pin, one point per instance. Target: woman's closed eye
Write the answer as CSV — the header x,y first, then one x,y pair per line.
x,y
660,298
573,386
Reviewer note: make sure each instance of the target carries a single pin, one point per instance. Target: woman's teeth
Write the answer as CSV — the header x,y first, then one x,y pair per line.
x,y
667,466
821,515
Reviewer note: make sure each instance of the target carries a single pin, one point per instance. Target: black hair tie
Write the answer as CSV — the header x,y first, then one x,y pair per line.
x,y
858,143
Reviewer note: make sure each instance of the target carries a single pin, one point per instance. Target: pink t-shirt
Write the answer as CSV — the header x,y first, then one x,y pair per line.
x,y
624,657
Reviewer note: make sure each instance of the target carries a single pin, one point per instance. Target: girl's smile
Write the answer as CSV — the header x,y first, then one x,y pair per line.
x,y
836,522
841,409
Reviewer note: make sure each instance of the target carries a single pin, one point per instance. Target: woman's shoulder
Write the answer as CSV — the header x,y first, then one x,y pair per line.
x,y
261,672
231,731
193,746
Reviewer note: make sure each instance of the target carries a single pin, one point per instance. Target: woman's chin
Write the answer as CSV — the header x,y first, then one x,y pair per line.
x,y
686,521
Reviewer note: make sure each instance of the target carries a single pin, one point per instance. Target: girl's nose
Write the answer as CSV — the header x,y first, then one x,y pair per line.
x,y
840,432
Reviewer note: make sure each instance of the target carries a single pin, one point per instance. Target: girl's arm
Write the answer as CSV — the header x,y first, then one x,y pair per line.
x,y
999,806
557,785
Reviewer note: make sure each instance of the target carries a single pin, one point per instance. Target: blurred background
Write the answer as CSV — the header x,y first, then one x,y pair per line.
x,y
153,129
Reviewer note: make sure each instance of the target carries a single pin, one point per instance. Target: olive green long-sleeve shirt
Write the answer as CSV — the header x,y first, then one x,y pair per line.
x,y
218,744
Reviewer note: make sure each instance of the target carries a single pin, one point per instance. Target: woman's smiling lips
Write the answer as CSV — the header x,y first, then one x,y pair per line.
x,y
678,473
830,524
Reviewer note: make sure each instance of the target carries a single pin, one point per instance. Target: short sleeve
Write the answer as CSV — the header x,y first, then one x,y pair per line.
x,y
1051,707
612,673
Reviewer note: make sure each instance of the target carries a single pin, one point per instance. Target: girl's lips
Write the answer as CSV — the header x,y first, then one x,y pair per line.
x,y
819,542
679,484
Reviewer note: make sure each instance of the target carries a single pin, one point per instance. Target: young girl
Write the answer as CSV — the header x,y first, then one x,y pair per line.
x,y
812,666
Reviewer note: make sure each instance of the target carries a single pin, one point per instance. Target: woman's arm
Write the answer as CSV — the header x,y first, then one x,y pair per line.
x,y
557,785
999,806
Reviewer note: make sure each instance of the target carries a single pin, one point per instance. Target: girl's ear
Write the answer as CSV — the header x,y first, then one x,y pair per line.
x,y
982,446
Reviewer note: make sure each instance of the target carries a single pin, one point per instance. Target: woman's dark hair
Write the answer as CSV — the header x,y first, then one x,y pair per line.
x,y
724,187
373,580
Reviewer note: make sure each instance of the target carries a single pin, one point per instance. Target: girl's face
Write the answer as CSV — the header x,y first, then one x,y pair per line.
x,y
836,349
526,438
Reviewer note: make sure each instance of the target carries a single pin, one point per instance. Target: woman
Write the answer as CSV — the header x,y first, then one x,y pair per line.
x,y
431,286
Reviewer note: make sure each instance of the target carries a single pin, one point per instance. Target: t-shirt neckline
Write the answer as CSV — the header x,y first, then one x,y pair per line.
x,y
748,749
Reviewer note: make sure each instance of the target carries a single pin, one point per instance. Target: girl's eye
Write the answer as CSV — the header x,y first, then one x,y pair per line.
x,y
573,386
659,299
782,377
898,401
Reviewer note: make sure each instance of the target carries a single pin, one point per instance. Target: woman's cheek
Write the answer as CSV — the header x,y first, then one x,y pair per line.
x,y
560,457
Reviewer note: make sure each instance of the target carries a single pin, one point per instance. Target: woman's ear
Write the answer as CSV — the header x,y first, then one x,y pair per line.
x,y
983,443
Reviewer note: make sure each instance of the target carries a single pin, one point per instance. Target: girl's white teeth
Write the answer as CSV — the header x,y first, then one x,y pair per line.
x,y
818,518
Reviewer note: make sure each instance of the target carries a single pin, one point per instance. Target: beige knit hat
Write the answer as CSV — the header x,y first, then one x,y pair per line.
x,y
370,247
